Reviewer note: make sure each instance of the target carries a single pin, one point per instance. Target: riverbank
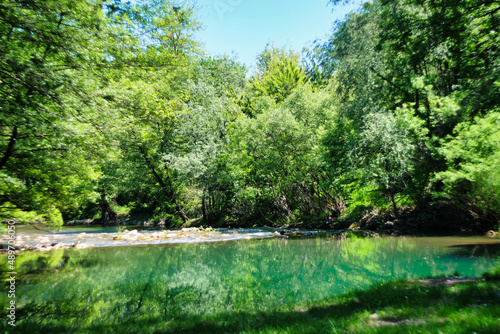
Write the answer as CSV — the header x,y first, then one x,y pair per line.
x,y
80,237
432,219
30,237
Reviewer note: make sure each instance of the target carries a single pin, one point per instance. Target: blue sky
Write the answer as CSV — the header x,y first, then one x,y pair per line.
x,y
244,27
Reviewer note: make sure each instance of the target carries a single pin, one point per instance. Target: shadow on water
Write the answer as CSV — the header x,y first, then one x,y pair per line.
x,y
477,250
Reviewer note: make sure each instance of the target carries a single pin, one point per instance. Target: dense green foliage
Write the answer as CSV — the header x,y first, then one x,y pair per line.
x,y
413,76
111,107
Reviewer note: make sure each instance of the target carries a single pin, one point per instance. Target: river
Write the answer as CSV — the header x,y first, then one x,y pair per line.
x,y
201,277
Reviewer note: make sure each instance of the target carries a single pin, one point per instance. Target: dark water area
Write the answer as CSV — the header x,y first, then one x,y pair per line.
x,y
169,285
477,250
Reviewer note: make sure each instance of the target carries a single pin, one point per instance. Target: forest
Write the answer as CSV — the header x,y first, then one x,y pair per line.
x,y
111,110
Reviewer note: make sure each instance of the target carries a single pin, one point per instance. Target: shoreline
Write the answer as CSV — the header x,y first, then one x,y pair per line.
x,y
124,236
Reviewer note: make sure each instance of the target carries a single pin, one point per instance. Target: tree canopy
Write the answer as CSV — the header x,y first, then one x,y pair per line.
x,y
112,109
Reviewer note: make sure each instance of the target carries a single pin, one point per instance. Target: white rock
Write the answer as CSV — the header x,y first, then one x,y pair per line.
x,y
82,246
43,240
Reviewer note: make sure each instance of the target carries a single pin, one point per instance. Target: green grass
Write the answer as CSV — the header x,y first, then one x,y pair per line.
x,y
395,307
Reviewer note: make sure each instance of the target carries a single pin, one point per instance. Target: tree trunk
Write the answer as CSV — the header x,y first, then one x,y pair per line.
x,y
394,206
417,101
180,212
166,187
10,148
107,213
428,116
203,207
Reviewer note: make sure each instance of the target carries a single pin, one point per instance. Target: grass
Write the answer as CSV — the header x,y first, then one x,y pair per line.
x,y
396,307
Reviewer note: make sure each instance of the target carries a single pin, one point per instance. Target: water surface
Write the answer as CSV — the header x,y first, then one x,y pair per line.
x,y
164,287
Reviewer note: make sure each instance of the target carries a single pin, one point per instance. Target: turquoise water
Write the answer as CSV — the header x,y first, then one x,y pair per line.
x,y
170,285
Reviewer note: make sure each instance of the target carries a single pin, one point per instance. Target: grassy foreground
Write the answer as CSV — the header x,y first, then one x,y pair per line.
x,y
395,307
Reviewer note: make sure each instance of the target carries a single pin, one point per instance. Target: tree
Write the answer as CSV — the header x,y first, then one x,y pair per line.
x,y
433,57
382,50
202,134
224,74
51,55
473,157
149,98
278,73
63,68
276,158
388,153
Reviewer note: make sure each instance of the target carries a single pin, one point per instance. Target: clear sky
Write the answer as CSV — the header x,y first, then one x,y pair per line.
x,y
244,27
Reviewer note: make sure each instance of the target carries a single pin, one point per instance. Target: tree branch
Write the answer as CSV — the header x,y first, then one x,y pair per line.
x,y
10,148
388,81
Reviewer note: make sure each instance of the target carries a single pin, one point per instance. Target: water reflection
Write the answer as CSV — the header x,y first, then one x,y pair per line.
x,y
103,288
477,249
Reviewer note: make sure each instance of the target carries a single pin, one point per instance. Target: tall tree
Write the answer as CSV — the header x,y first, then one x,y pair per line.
x,y
149,97
279,72
437,58
64,67
51,55
277,159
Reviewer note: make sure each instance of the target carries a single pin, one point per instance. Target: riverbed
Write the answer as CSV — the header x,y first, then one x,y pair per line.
x,y
28,237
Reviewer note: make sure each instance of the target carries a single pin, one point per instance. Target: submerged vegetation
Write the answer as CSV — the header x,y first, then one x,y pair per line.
x,y
112,110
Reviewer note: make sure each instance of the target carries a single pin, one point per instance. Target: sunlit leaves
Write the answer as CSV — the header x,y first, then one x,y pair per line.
x,y
279,73
437,58
388,148
277,155
51,56
82,81
473,157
